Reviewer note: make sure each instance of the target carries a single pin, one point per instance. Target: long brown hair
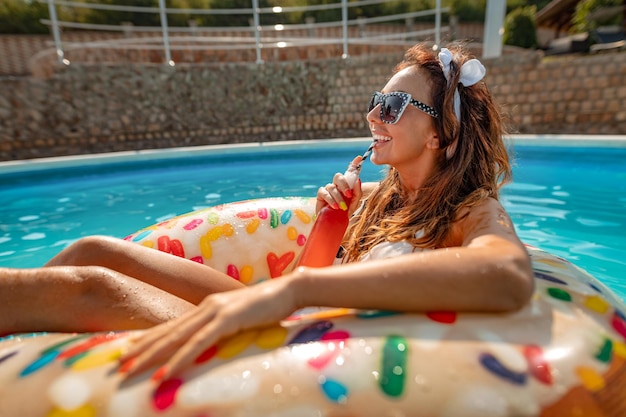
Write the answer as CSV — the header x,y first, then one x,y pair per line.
x,y
477,165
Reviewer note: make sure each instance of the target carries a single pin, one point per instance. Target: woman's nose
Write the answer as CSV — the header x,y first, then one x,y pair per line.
x,y
373,116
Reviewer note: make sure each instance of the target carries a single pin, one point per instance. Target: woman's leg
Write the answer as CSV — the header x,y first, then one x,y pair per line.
x,y
186,279
81,299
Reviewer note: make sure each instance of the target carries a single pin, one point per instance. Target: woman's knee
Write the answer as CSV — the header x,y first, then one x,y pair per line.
x,y
90,250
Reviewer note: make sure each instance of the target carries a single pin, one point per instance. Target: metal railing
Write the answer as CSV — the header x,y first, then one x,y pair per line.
x,y
255,29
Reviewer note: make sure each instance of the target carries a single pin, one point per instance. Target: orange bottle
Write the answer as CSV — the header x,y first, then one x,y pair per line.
x,y
328,230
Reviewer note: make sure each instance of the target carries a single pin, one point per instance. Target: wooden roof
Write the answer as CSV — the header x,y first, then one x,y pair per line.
x,y
557,14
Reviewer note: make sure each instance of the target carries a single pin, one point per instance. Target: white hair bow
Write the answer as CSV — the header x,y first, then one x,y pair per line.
x,y
472,71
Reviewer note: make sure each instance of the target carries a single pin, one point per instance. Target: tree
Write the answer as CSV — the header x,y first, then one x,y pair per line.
x,y
21,16
581,21
520,28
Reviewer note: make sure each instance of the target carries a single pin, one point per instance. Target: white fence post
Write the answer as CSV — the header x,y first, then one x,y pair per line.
x,y
56,34
166,39
438,24
494,28
344,27
257,28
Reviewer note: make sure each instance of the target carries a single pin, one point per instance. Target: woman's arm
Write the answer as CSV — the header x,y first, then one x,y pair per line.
x,y
489,271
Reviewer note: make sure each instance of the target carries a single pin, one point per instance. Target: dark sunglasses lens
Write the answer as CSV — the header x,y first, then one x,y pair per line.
x,y
373,102
390,108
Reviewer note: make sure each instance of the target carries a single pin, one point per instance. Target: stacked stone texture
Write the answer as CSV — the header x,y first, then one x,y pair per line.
x,y
311,93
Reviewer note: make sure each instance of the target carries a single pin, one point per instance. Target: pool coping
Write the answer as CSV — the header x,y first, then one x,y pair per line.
x,y
617,141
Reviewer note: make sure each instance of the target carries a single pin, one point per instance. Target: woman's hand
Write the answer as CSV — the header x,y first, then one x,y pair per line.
x,y
335,194
216,317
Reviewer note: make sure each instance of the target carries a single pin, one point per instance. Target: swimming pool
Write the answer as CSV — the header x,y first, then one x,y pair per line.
x,y
568,200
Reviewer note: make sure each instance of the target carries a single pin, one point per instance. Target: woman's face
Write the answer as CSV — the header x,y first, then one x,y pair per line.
x,y
410,145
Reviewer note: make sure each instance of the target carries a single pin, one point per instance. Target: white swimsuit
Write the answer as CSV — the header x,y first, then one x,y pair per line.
x,y
384,250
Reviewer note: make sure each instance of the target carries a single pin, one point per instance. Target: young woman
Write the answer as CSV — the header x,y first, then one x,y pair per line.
x,y
432,227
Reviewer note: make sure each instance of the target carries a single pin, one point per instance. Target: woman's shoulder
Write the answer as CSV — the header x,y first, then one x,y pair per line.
x,y
478,218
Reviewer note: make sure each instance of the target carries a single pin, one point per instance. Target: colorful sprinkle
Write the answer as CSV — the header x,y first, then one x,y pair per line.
x,y
549,278
234,345
213,217
173,246
590,379
96,340
292,233
285,217
41,362
274,218
97,359
595,288
557,262
619,349
232,271
271,337
492,364
619,323
71,361
192,224
141,235
301,214
62,344
84,411
253,225
445,317
214,233
246,274
205,247
559,294
165,394
301,240
538,367
277,264
8,356
605,353
374,314
336,335
228,229
335,391
312,332
198,259
597,304
263,213
392,375
246,214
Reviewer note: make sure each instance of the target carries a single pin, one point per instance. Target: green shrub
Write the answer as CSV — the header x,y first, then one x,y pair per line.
x,y
583,18
468,10
520,28
21,16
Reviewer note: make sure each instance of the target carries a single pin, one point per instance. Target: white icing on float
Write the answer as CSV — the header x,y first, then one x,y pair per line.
x,y
563,355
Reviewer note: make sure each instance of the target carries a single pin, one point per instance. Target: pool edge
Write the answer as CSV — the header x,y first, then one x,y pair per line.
x,y
618,141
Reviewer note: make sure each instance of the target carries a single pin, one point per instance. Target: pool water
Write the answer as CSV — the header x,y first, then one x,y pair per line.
x,y
569,201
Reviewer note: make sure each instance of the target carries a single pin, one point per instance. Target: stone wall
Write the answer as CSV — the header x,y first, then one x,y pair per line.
x,y
100,108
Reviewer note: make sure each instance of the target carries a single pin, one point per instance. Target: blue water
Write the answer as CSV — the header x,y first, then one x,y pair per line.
x,y
568,201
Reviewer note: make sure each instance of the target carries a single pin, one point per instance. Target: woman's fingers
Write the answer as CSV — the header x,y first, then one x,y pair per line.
x,y
160,343
219,316
203,340
335,193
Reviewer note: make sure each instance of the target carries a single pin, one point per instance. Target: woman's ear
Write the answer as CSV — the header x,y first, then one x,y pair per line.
x,y
433,141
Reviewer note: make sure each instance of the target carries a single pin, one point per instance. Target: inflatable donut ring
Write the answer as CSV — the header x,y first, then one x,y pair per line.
x,y
563,355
